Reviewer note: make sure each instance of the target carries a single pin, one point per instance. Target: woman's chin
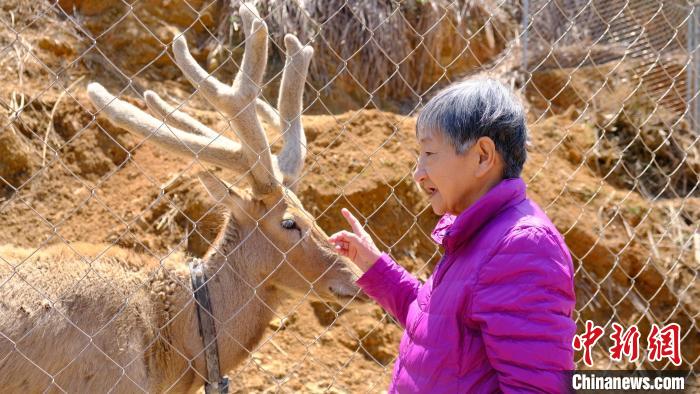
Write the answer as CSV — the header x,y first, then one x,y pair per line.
x,y
438,209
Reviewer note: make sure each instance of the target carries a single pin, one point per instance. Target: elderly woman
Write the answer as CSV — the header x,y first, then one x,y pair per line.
x,y
495,315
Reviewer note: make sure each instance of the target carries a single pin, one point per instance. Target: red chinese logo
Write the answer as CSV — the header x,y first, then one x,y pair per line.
x,y
662,342
665,343
586,340
625,343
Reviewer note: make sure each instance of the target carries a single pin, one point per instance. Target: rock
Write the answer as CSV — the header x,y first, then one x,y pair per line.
x,y
282,323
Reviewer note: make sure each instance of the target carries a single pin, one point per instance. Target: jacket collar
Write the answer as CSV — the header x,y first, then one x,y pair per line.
x,y
451,230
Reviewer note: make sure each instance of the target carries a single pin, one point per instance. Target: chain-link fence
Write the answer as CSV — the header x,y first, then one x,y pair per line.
x,y
99,223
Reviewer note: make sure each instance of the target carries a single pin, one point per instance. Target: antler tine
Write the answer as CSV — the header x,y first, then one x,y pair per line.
x,y
177,118
290,102
238,101
268,113
255,55
217,93
220,151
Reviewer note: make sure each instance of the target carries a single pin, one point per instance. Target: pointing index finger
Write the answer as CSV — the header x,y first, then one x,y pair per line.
x,y
354,223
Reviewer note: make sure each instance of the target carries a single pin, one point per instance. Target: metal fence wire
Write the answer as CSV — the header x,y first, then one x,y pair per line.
x,y
102,208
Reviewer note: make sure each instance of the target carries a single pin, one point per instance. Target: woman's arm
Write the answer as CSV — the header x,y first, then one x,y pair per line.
x,y
523,301
391,286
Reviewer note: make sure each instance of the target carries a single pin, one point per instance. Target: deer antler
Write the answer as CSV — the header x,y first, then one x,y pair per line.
x,y
238,101
218,150
291,158
185,135
175,117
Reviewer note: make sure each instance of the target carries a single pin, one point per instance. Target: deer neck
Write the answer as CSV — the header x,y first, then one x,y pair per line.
x,y
242,307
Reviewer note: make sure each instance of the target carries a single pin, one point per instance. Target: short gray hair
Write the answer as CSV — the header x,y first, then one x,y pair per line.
x,y
469,110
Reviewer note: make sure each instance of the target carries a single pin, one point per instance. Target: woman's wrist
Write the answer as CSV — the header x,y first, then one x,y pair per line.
x,y
368,261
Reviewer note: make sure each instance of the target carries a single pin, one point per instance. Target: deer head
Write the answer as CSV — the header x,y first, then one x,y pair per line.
x,y
273,229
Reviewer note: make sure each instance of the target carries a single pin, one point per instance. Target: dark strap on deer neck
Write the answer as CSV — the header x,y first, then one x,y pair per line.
x,y
216,384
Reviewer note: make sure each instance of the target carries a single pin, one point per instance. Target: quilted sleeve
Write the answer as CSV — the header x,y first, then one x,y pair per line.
x,y
522,302
391,286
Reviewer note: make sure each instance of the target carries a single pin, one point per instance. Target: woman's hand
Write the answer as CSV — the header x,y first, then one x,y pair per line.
x,y
356,245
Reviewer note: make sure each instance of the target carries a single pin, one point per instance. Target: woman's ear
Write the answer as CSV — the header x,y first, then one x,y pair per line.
x,y
489,159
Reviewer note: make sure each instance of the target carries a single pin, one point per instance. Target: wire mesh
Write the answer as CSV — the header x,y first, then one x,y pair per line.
x,y
97,223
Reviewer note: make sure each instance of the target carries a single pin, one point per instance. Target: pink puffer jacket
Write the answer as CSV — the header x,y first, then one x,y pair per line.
x,y
495,315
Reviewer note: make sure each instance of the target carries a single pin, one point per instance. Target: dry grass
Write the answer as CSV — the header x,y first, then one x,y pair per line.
x,y
650,150
381,53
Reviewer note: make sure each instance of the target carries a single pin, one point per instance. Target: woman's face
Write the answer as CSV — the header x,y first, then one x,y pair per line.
x,y
447,177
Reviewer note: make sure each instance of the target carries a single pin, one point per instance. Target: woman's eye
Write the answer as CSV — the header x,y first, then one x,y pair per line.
x,y
289,224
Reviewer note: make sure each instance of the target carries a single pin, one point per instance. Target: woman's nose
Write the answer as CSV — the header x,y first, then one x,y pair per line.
x,y
419,173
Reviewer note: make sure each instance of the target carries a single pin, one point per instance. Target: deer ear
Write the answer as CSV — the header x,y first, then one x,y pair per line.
x,y
217,189
220,191
240,203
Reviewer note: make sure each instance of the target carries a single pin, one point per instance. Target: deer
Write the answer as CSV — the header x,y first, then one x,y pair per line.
x,y
90,318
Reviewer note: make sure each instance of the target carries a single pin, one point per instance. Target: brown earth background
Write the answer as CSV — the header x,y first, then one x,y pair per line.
x,y
615,171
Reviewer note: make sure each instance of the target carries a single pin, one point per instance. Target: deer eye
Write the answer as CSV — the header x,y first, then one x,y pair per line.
x,y
290,224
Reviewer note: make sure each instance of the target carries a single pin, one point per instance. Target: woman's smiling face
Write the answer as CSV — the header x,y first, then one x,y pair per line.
x,y
482,115
447,177
454,181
